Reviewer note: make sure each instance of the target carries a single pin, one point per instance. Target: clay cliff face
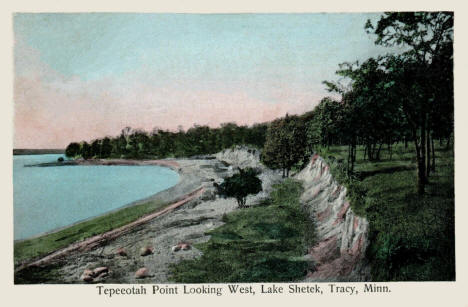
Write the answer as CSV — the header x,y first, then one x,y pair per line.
x,y
339,254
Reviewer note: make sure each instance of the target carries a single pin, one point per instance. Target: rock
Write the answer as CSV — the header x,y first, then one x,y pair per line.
x,y
185,246
175,248
142,273
88,275
181,246
145,251
121,252
88,272
100,270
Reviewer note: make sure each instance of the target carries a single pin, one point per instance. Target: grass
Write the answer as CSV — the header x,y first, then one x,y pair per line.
x,y
412,237
43,245
261,243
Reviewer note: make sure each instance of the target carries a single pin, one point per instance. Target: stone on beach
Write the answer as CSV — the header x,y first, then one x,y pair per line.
x,y
145,251
142,273
90,275
100,270
181,246
121,252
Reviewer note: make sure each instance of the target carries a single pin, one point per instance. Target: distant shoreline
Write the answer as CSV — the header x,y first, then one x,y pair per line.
x,y
20,151
172,164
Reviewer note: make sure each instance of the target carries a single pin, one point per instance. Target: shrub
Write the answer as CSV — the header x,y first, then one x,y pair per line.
x,y
240,185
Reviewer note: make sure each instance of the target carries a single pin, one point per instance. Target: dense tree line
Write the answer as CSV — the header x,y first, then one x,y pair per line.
x,y
198,140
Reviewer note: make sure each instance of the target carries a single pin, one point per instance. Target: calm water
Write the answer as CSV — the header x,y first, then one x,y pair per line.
x,y
46,198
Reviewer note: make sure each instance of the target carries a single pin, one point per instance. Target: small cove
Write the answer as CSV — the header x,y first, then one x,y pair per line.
x,y
48,198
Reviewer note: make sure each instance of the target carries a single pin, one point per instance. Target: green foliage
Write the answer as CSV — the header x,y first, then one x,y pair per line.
x,y
72,150
258,244
285,143
86,150
241,185
198,140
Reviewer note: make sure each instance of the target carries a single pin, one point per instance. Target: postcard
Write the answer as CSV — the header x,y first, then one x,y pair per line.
x,y
254,155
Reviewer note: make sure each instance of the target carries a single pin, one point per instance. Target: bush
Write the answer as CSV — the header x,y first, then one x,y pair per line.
x,y
240,185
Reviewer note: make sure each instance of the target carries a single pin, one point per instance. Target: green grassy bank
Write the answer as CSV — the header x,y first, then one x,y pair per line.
x,y
257,244
411,237
43,245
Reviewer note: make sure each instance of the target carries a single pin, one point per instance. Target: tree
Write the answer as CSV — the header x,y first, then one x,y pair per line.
x,y
86,152
96,148
72,150
428,39
366,114
285,143
241,185
106,148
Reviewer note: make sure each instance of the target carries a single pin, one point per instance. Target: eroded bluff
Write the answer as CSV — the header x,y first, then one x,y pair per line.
x,y
339,254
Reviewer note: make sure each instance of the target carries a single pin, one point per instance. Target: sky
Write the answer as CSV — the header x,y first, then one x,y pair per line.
x,y
84,76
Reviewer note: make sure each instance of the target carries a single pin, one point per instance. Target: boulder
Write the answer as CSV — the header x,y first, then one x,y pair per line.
x,y
88,275
185,246
181,246
175,248
121,252
142,273
145,251
87,278
100,270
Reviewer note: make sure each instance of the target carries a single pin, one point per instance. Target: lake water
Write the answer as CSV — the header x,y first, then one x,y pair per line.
x,y
47,198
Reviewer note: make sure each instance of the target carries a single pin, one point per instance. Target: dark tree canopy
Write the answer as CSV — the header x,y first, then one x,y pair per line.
x,y
197,140
285,143
72,150
241,185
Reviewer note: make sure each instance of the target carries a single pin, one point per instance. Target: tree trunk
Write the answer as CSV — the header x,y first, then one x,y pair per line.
x,y
433,155
423,149
377,157
428,153
353,156
390,150
421,165
348,160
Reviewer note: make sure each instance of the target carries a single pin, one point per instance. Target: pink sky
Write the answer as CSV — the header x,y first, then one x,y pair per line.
x,y
51,111
85,76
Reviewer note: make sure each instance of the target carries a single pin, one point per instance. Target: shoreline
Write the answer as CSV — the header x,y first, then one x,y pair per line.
x,y
102,238
172,164
188,183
